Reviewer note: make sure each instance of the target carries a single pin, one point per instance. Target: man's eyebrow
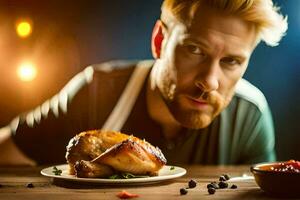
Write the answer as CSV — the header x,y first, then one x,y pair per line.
x,y
241,55
195,41
202,44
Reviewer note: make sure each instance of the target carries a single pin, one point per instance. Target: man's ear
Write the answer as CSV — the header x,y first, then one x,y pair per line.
x,y
157,38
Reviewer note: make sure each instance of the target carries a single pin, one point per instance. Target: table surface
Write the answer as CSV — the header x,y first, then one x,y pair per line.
x,y
14,182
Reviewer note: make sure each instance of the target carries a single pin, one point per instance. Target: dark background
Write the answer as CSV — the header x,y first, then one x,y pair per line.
x,y
70,35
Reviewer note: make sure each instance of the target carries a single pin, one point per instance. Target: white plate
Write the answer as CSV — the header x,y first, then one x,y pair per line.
x,y
164,174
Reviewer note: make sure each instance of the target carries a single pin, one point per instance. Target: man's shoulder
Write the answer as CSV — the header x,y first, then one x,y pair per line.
x,y
248,92
114,66
113,69
116,71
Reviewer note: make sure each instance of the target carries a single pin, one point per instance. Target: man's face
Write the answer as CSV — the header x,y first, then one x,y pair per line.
x,y
200,65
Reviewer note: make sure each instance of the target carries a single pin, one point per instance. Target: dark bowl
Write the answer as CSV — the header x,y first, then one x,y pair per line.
x,y
276,183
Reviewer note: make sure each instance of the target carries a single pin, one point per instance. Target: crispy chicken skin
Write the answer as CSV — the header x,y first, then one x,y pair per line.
x,y
134,156
90,144
103,153
87,169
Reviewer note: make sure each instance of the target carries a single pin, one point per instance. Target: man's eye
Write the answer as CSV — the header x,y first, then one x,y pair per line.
x,y
230,61
194,49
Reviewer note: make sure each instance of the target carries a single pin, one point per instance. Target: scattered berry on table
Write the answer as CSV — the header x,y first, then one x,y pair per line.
x,y
183,191
29,185
222,178
192,183
223,184
211,190
233,186
227,177
213,185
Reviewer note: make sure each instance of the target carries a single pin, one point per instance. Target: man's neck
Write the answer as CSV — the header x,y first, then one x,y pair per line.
x,y
159,112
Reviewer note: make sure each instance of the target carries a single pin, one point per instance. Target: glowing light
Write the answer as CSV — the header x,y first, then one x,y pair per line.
x,y
24,29
27,72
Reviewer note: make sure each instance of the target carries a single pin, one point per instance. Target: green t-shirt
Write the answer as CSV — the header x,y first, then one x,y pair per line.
x,y
243,133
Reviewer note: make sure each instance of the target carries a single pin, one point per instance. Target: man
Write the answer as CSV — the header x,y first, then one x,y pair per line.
x,y
194,104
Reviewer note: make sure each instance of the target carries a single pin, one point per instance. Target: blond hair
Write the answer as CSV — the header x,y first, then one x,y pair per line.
x,y
270,25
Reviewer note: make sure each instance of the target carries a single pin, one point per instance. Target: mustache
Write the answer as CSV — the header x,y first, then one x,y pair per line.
x,y
209,97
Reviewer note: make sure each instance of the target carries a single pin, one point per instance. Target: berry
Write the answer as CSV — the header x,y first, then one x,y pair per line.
x,y
29,185
223,184
213,185
211,190
222,178
233,186
183,191
192,183
227,177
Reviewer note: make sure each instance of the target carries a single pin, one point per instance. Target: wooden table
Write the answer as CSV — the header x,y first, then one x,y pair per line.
x,y
14,182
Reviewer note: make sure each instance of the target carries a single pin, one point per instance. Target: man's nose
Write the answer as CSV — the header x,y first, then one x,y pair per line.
x,y
208,77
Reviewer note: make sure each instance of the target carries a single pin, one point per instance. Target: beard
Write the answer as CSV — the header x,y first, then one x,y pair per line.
x,y
191,117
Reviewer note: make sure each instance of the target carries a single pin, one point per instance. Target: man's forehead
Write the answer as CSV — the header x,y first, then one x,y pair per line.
x,y
209,24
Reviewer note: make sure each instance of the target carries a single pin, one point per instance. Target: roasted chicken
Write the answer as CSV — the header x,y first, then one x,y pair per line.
x,y
103,153
90,144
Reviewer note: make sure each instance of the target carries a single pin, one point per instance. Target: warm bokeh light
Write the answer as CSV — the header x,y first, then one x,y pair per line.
x,y
27,72
24,29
